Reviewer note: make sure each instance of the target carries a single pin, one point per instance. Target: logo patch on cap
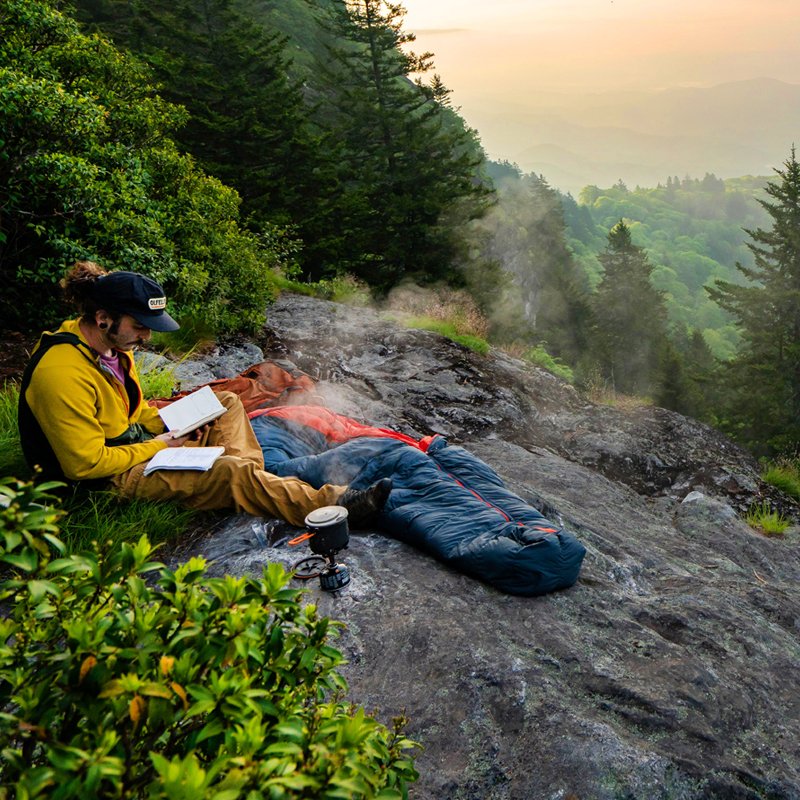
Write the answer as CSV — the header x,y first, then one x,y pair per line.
x,y
157,303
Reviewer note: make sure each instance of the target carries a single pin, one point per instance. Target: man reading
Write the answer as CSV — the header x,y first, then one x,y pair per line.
x,y
82,416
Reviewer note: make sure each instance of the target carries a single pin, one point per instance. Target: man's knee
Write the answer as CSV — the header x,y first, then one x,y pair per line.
x,y
230,468
229,399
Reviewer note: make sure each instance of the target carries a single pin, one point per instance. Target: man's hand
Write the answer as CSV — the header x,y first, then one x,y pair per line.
x,y
195,436
167,437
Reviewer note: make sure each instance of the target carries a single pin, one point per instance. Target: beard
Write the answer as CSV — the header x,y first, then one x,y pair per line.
x,y
123,341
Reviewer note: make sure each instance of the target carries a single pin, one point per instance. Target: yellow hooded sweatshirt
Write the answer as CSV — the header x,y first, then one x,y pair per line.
x,y
80,406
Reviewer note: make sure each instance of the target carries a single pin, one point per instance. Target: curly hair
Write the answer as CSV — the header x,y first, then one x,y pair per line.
x,y
78,285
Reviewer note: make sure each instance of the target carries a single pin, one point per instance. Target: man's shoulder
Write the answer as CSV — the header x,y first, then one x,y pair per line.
x,y
63,350
68,335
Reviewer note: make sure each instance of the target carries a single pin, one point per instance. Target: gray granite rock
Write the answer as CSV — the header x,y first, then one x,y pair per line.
x,y
670,670
191,374
424,383
229,361
222,362
147,361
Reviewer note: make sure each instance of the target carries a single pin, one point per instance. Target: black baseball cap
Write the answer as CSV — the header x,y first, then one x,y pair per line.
x,y
136,295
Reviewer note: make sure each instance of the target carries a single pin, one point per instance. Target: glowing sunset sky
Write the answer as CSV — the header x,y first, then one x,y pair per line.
x,y
510,50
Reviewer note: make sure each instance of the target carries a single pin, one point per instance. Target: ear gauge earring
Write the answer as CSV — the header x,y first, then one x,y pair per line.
x,y
102,325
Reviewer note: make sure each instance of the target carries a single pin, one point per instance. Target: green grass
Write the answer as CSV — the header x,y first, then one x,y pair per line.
x,y
12,461
102,516
447,329
341,289
96,516
157,382
346,289
785,476
761,517
194,334
541,358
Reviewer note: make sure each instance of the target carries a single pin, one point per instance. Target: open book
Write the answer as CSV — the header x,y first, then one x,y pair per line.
x,y
191,412
199,458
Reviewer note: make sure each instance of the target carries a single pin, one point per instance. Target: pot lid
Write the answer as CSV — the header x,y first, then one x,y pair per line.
x,y
326,516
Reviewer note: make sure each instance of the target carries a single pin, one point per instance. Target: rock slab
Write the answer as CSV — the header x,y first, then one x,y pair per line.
x,y
670,670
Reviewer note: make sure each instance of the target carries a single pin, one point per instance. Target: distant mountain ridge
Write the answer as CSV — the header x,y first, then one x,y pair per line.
x,y
745,127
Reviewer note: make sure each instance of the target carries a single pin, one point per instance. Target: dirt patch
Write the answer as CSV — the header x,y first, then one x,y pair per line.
x,y
15,351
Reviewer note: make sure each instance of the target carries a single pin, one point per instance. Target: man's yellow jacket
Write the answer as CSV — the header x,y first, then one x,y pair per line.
x,y
84,411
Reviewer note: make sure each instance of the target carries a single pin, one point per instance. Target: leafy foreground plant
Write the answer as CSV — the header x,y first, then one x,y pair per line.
x,y
205,688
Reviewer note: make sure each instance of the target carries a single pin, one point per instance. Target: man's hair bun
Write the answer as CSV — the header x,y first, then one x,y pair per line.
x,y
79,281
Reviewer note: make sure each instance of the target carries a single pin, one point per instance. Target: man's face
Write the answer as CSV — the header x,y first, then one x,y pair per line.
x,y
127,334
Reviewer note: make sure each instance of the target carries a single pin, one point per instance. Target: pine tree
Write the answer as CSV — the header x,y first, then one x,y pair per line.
x,y
564,314
687,377
408,167
763,380
247,123
630,316
673,389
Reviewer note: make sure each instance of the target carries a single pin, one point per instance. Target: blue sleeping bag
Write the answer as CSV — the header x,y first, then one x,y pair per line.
x,y
446,502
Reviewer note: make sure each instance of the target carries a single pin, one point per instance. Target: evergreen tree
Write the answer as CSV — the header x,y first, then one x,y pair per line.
x,y
687,377
673,389
408,167
526,236
630,316
763,380
564,315
698,355
247,121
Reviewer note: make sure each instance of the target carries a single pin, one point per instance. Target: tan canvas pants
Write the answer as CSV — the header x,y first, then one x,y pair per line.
x,y
237,479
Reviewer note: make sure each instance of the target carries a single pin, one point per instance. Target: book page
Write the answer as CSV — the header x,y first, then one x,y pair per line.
x,y
191,411
198,458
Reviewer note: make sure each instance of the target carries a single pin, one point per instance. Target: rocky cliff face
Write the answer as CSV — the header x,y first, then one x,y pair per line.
x,y
670,670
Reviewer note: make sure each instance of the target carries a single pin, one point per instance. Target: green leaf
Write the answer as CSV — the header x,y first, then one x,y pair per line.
x,y
156,690
27,560
38,589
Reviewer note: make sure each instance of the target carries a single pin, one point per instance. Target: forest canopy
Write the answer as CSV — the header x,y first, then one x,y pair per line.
x,y
693,232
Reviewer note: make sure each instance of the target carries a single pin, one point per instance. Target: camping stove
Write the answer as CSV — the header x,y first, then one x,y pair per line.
x,y
327,535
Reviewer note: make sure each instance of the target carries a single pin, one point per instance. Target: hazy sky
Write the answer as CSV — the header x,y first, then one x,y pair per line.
x,y
508,49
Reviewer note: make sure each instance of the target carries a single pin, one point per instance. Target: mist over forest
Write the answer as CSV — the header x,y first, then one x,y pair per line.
x,y
637,244
729,130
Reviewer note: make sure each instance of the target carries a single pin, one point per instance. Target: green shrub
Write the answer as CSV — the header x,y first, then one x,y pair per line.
x,y
541,358
341,289
762,518
344,289
204,688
